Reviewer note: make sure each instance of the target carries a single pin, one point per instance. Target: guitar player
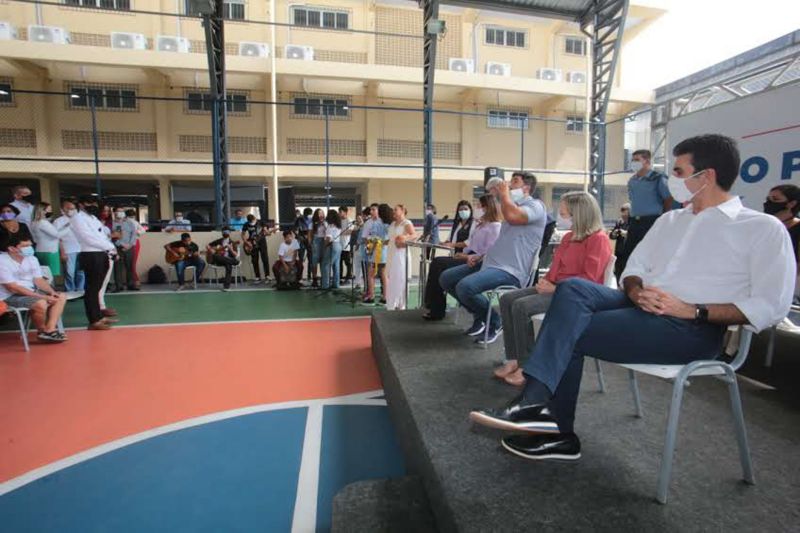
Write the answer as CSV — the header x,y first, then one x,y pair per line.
x,y
254,237
224,252
184,253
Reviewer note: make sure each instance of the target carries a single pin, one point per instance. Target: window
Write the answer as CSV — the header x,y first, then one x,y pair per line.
x,y
503,37
121,5
305,107
231,9
575,46
6,95
575,124
201,102
111,98
505,119
320,18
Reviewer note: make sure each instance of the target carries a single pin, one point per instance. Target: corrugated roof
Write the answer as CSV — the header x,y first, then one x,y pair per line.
x,y
564,9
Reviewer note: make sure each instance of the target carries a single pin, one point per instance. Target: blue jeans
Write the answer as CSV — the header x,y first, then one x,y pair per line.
x,y
585,318
74,280
317,251
330,261
466,284
198,264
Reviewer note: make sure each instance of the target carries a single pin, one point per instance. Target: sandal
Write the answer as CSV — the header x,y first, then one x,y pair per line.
x,y
506,369
517,379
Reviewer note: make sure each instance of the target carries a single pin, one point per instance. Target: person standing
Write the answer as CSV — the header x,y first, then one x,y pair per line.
x,y
316,236
649,197
400,232
254,237
238,220
126,245
430,231
47,238
332,251
618,235
95,259
302,225
73,276
347,256
22,195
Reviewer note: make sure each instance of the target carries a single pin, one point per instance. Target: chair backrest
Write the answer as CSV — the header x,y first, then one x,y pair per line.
x,y
609,279
534,268
745,337
47,273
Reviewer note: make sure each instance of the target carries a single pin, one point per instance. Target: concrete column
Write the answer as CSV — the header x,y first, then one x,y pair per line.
x,y
373,189
372,122
165,197
161,108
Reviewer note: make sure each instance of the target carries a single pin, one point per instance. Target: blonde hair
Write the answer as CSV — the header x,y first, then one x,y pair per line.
x,y
38,213
491,208
585,213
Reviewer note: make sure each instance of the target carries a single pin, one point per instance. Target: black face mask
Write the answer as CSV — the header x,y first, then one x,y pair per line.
x,y
773,208
92,210
48,215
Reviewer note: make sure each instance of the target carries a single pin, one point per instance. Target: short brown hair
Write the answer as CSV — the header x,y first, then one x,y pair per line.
x,y
644,153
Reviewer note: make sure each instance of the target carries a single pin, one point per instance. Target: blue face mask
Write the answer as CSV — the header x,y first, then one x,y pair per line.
x,y
27,251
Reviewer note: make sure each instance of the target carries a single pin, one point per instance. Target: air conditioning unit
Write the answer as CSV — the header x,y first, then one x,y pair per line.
x,y
549,74
294,51
498,69
576,77
253,49
128,41
7,31
47,34
458,64
171,43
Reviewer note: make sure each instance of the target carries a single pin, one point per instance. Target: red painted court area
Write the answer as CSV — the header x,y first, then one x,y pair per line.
x,y
99,387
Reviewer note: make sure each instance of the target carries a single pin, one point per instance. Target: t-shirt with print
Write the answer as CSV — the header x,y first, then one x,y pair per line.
x,y
22,273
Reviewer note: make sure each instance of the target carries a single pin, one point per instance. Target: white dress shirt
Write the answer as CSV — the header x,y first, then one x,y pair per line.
x,y
23,273
91,233
68,239
25,211
727,254
46,236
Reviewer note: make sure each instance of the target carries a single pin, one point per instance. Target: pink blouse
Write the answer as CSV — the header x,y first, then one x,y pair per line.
x,y
585,259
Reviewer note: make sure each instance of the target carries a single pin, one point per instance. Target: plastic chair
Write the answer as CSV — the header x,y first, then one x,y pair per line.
x,y
219,273
680,375
172,270
785,325
23,324
497,292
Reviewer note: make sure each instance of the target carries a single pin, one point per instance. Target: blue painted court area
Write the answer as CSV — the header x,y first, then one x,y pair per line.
x,y
237,474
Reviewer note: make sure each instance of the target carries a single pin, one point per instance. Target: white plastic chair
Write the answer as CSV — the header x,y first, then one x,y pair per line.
x,y
787,326
22,320
173,271
219,273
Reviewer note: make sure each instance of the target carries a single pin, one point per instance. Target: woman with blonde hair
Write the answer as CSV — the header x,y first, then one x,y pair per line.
x,y
584,252
47,238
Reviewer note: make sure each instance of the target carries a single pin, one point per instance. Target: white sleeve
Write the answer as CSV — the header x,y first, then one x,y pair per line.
x,y
640,261
95,239
47,229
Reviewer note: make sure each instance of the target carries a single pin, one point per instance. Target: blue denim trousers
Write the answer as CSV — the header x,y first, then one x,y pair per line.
x,y
467,284
331,262
74,280
585,318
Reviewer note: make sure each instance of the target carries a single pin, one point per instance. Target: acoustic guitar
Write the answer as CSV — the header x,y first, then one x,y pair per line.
x,y
175,255
221,250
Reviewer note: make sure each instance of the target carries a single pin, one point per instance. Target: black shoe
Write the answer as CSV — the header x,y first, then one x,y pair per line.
x,y
516,416
431,318
564,446
476,329
491,337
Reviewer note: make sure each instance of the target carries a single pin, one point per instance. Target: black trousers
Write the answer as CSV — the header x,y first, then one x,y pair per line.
x,y
435,297
637,229
123,270
95,267
260,252
228,263
346,261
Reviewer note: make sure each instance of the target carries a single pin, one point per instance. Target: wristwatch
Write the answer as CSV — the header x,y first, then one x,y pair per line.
x,y
700,314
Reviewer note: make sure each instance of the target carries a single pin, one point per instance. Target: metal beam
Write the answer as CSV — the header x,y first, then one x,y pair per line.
x,y
430,12
215,48
603,24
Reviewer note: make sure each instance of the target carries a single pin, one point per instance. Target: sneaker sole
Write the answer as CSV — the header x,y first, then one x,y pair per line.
x,y
545,457
490,340
475,333
537,427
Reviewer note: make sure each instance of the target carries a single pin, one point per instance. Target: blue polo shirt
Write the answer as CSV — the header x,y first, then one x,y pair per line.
x,y
647,194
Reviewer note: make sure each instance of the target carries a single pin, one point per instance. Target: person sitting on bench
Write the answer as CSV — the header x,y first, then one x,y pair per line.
x,y
700,269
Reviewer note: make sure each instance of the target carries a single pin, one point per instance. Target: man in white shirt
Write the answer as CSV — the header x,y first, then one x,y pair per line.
x,y
95,259
287,258
347,256
73,276
21,195
22,285
700,269
178,224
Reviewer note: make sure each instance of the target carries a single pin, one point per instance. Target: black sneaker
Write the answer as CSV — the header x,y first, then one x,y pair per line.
x,y
476,329
491,337
563,447
534,418
52,336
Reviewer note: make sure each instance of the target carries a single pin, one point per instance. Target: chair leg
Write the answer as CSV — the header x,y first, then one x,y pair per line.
x,y
771,346
637,400
490,296
669,443
601,382
23,329
739,427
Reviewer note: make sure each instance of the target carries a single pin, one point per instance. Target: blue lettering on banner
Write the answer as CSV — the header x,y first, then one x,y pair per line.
x,y
791,164
762,167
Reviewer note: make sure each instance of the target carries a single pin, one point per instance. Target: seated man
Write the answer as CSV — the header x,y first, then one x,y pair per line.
x,y
287,257
178,224
22,285
185,253
699,269
224,252
508,261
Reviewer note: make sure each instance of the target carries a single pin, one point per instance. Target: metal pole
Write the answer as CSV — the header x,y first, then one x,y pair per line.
x,y
97,181
522,144
430,13
327,161
219,219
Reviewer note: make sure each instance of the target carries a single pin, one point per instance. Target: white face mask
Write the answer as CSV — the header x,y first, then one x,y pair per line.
x,y
563,223
120,215
179,218
428,212
71,212
679,190
463,213
636,166
479,212
517,195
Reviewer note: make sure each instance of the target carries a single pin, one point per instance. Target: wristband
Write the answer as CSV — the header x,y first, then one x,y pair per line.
x,y
700,314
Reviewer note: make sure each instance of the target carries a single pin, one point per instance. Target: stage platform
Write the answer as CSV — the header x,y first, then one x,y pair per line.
x,y
433,375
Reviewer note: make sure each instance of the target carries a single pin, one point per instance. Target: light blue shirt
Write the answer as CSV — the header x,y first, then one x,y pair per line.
x,y
647,194
375,228
517,245
237,223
